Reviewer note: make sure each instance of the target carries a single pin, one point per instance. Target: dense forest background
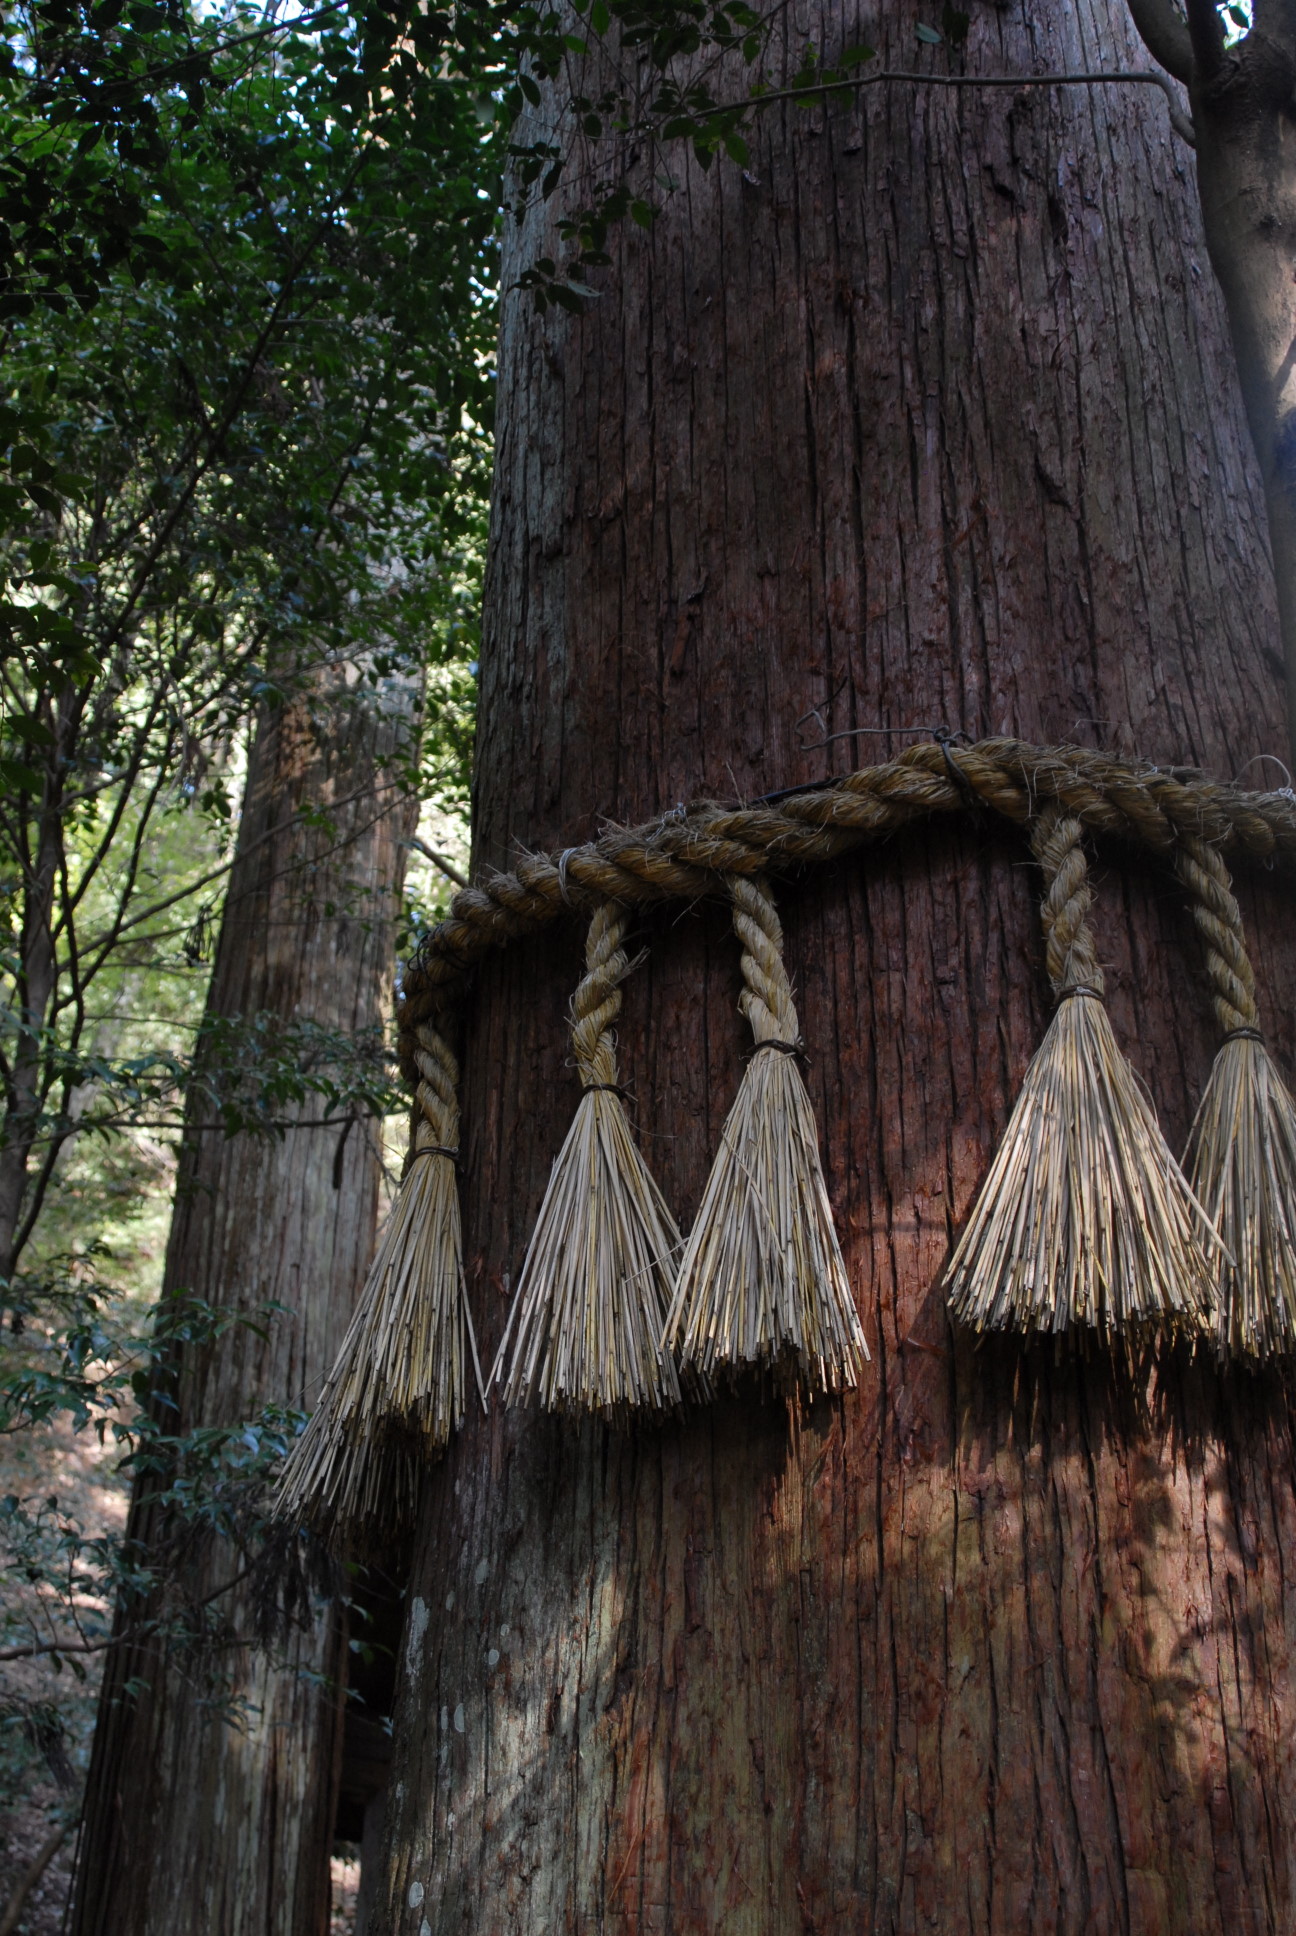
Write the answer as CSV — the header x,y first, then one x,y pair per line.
x,y
247,329
248,292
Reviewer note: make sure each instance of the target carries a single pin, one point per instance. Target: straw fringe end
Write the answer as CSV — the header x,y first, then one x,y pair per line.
x,y
397,1389
598,1276
762,1279
1242,1158
1085,1220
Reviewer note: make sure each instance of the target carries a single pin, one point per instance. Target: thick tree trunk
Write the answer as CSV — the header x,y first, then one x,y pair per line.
x,y
926,418
193,1824
1244,111
1244,119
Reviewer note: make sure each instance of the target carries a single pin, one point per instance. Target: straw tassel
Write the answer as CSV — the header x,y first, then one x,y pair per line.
x,y
762,1280
1242,1149
1085,1219
600,1269
397,1389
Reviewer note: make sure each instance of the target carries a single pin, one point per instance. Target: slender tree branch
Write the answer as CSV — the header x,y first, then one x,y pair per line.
x,y
1164,32
123,1639
101,944
130,873
438,860
1117,76
216,438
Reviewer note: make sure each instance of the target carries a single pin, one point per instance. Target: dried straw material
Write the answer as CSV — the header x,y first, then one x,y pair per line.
x,y
1242,1150
762,1280
680,854
397,1389
586,1322
1085,1220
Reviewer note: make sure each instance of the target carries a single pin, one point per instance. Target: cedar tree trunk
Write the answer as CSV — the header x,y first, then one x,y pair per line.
x,y
926,418
193,1823
1244,115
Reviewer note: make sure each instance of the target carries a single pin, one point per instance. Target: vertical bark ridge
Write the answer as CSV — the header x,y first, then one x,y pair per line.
x,y
939,403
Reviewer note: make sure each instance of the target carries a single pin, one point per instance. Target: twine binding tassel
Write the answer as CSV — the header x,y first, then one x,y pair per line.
x,y
396,1391
600,1268
762,1279
1242,1149
1085,1220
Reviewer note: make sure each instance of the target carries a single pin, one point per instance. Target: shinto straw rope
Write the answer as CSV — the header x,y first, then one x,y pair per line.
x,y
1085,1219
397,1387
597,1001
600,1268
1242,1149
682,855
1219,923
762,1279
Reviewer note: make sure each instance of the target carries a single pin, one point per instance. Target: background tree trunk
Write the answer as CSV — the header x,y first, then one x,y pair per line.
x,y
926,418
193,1824
1242,99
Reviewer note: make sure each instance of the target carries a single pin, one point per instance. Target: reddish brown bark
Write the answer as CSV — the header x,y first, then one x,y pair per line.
x,y
928,418
193,1824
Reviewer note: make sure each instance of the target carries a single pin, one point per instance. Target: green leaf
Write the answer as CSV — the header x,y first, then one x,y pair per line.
x,y
929,36
23,779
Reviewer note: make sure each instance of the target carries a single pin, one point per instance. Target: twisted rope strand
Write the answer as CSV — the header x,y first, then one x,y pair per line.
x,y
766,1001
1219,922
682,857
597,1001
1069,953
436,1093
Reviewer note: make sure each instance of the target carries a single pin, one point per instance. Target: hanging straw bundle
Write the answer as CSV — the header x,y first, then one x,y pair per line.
x,y
397,1389
1085,1219
1242,1150
762,1280
601,1265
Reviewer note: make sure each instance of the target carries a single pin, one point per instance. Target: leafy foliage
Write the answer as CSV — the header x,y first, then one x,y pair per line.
x,y
246,287
246,447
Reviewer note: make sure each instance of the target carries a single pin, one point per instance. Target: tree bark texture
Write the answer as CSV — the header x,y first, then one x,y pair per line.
x,y
1244,110
194,1823
1244,116
926,418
